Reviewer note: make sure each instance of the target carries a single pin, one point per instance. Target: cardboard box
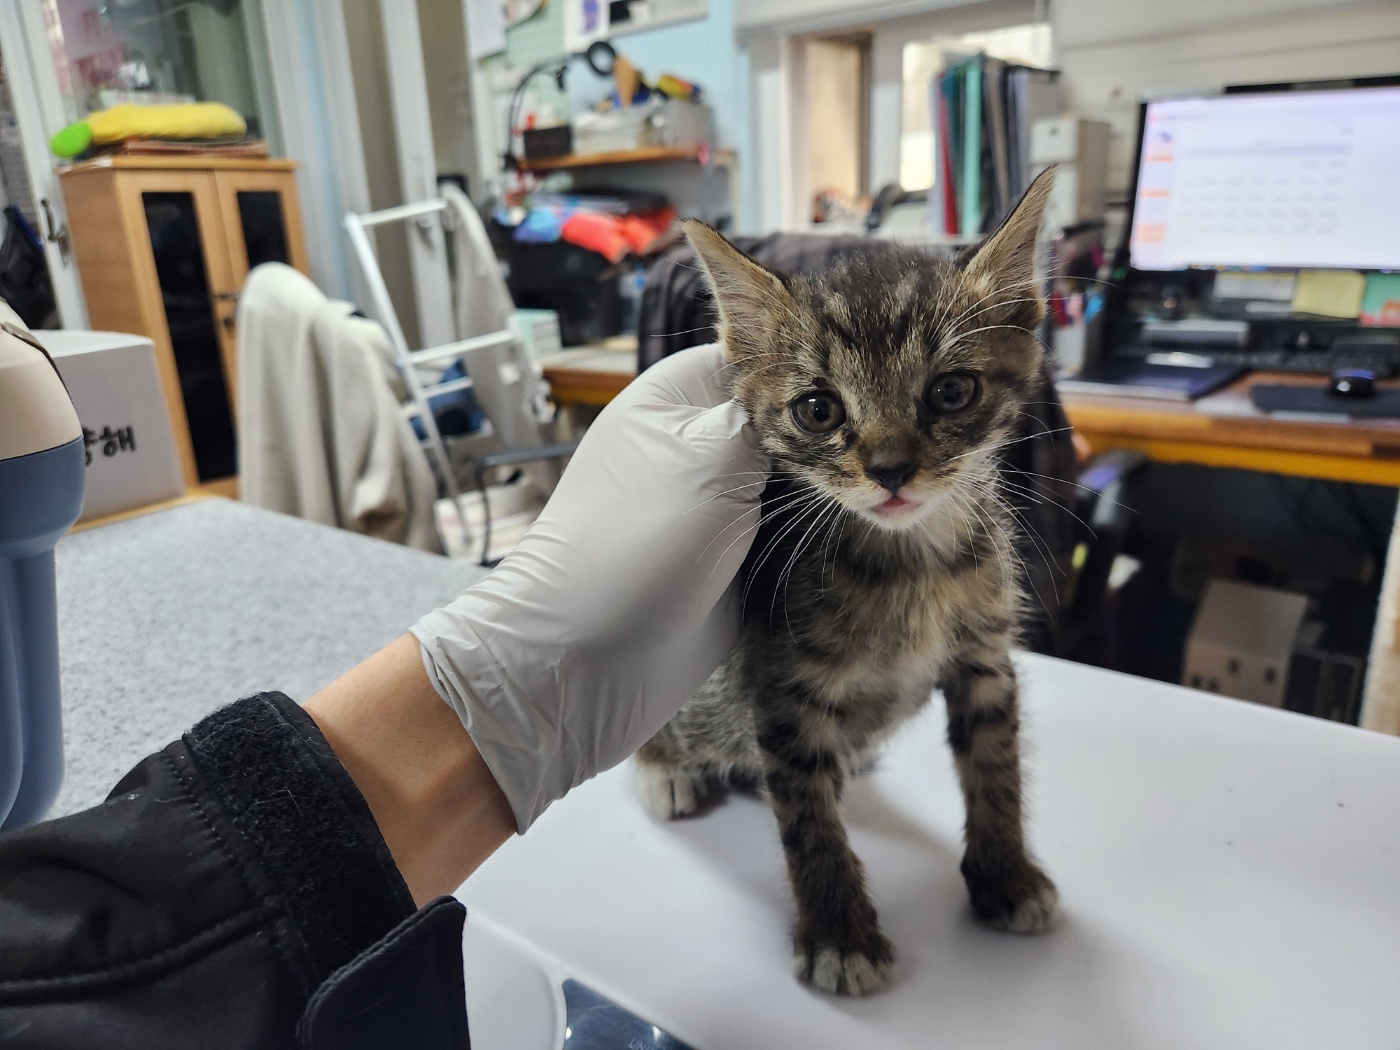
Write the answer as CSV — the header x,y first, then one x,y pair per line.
x,y
112,378
1242,641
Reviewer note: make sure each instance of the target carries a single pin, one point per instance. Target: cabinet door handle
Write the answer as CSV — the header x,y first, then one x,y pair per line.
x,y
225,297
57,232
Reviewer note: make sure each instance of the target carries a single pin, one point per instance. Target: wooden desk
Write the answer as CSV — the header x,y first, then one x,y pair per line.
x,y
1225,431
1220,431
592,374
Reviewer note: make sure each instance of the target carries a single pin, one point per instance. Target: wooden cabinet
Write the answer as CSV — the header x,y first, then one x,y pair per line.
x,y
163,245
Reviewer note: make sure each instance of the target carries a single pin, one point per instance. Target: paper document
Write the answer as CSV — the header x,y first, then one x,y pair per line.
x,y
486,27
584,22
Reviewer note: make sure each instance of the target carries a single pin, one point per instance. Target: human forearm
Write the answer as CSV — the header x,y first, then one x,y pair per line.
x,y
436,803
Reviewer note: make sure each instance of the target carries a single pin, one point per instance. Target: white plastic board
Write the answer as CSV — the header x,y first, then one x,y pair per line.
x,y
1230,876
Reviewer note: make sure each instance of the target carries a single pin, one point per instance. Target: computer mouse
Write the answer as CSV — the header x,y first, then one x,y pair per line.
x,y
1352,382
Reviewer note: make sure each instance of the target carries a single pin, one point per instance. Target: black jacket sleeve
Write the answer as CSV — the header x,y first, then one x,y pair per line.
x,y
232,892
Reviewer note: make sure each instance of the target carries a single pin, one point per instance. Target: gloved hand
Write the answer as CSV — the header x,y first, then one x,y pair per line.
x,y
619,601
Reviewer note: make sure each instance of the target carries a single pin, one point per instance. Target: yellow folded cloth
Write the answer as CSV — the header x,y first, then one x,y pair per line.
x,y
188,120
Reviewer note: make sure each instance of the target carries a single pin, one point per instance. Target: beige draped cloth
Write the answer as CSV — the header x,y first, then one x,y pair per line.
x,y
321,434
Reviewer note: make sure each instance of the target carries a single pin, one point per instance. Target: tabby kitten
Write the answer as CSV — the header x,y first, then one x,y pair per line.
x,y
884,567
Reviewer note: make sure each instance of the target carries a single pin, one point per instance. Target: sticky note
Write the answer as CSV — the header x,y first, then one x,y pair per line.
x,y
1329,293
1381,304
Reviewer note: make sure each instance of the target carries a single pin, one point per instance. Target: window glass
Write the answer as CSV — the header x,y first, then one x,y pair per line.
x,y
161,51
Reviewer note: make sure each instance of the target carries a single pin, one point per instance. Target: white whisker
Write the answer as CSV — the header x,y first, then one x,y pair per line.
x,y
799,509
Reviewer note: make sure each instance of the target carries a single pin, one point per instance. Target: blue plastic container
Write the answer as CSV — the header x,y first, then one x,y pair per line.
x,y
41,495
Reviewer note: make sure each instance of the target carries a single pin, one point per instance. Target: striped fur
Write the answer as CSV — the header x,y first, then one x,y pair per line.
x,y
852,617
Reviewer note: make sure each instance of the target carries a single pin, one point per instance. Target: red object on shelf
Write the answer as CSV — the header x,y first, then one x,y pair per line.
x,y
614,236
597,232
642,232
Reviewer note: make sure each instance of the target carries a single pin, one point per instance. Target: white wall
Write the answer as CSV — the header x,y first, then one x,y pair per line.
x,y
1112,54
703,51
809,16
706,52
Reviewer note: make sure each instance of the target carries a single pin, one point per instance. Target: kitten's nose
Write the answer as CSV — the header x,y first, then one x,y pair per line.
x,y
892,475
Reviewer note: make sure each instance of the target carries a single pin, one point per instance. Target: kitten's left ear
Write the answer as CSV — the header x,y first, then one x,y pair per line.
x,y
747,295
1007,257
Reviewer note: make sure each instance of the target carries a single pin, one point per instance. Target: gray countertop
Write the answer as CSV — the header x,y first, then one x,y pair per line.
x,y
166,617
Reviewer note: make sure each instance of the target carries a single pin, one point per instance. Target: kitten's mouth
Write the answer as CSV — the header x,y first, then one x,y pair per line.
x,y
895,506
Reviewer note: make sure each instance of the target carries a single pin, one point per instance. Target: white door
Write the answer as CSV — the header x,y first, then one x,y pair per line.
x,y
38,108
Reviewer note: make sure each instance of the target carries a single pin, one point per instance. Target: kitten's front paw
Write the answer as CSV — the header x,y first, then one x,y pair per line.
x,y
1018,898
844,970
669,793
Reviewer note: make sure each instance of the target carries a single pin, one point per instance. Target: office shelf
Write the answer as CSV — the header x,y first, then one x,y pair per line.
x,y
642,155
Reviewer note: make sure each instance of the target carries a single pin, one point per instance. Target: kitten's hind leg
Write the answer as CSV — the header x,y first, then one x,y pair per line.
x,y
668,787
1007,889
837,946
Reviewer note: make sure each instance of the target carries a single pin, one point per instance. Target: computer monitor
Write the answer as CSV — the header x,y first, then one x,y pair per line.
x,y
1281,180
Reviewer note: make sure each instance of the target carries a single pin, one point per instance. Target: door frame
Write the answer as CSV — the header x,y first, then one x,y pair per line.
x,y
24,45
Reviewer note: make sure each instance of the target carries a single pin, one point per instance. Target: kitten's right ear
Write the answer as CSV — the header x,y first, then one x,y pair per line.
x,y
1007,256
745,292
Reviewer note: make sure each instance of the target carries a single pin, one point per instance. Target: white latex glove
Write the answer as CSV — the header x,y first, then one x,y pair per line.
x,y
619,601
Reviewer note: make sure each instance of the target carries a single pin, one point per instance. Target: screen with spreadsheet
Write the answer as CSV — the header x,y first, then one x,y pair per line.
x,y
1286,180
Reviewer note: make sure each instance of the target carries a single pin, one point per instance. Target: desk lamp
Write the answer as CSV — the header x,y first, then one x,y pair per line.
x,y
600,57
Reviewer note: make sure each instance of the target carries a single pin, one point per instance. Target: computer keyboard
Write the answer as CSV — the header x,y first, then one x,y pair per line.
x,y
1383,361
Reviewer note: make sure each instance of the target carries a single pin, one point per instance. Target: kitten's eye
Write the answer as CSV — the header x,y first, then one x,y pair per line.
x,y
951,392
818,413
